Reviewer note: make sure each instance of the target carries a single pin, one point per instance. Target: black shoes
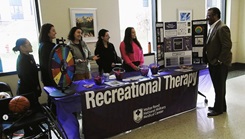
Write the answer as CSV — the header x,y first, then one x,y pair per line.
x,y
212,109
214,113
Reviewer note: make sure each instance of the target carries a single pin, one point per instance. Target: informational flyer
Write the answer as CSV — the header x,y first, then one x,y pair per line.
x,y
199,36
180,28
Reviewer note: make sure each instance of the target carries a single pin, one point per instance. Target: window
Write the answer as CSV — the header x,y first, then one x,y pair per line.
x,y
219,4
138,14
17,20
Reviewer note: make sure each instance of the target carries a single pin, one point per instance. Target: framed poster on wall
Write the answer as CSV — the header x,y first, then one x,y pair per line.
x,y
85,18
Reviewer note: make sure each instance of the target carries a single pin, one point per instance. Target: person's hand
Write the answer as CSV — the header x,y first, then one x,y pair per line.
x,y
113,64
136,68
81,61
96,57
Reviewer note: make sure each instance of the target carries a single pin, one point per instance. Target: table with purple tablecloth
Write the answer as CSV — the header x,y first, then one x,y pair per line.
x,y
110,110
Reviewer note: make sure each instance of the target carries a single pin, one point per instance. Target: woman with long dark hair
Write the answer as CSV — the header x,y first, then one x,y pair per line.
x,y
131,51
47,34
106,51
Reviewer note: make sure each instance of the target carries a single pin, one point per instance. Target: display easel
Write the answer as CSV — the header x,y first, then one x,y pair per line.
x,y
199,36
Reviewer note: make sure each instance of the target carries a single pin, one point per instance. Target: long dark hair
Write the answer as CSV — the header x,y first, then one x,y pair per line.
x,y
72,32
101,33
128,40
45,29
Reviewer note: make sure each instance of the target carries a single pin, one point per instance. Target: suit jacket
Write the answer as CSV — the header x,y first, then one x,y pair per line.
x,y
218,46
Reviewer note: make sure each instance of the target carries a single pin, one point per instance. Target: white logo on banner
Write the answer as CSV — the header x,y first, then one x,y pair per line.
x,y
138,115
148,112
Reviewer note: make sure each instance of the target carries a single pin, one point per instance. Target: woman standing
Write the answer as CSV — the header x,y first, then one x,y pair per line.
x,y
28,78
47,34
82,54
131,51
106,51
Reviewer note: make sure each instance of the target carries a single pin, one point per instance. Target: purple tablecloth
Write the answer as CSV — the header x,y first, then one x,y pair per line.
x,y
67,106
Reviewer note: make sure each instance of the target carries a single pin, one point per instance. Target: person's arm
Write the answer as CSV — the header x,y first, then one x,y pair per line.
x,y
142,58
114,53
98,52
90,56
226,44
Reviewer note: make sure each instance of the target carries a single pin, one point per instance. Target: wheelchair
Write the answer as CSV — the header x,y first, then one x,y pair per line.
x,y
37,116
5,88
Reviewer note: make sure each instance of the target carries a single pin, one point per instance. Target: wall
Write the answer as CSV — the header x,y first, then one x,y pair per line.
x,y
170,9
233,23
241,34
107,16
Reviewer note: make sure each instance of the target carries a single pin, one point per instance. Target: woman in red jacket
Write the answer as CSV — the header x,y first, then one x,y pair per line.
x,y
131,51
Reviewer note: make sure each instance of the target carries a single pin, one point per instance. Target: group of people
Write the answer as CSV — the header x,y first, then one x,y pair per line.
x,y
217,53
105,56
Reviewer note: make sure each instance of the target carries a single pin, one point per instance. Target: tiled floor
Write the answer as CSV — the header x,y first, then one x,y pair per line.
x,y
196,125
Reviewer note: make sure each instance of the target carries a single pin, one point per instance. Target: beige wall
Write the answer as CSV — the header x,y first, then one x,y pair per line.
x,y
240,57
170,9
233,22
57,13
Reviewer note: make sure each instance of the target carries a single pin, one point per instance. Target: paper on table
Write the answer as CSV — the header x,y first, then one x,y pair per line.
x,y
112,77
114,83
134,78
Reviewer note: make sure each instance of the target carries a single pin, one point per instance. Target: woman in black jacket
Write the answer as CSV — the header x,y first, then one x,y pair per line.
x,y
47,34
106,52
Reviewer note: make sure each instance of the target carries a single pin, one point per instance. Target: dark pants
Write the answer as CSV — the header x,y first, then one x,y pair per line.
x,y
129,68
218,75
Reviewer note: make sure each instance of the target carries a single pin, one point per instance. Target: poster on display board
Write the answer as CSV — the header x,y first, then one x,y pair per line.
x,y
199,36
177,43
160,40
180,28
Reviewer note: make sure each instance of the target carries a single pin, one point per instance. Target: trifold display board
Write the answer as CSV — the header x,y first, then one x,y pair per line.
x,y
199,35
159,40
177,44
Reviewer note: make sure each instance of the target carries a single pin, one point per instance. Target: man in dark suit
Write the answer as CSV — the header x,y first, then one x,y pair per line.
x,y
217,54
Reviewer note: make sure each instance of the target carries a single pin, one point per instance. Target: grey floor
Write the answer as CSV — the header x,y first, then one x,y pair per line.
x,y
196,125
